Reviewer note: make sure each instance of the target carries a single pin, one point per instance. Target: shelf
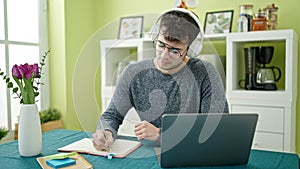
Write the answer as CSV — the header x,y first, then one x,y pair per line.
x,y
215,36
274,35
285,56
259,95
254,35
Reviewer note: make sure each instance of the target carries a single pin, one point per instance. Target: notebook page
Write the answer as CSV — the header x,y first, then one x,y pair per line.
x,y
119,148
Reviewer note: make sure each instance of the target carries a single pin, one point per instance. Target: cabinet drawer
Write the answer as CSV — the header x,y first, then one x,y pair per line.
x,y
270,119
268,141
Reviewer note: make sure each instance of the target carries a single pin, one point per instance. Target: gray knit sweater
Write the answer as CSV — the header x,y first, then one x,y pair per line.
x,y
197,88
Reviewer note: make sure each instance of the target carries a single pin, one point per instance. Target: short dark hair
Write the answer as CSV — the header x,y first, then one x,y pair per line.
x,y
179,26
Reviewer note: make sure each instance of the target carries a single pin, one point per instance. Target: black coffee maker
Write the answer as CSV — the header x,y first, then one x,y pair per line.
x,y
258,75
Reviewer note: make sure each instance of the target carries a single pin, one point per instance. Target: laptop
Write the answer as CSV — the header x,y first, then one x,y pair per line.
x,y
212,139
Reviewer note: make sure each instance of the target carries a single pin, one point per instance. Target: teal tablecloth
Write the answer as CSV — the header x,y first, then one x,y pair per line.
x,y
142,158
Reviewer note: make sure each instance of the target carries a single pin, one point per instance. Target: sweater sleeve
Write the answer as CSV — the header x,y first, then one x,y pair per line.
x,y
113,116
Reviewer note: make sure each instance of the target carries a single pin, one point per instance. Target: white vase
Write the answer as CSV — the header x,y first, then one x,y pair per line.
x,y
29,131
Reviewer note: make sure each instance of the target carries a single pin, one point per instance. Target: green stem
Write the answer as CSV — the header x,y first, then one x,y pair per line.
x,y
19,83
27,92
29,97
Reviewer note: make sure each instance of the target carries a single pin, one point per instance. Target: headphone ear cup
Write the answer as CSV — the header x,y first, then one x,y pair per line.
x,y
196,47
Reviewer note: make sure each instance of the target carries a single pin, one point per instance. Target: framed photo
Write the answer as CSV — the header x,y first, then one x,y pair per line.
x,y
218,22
131,27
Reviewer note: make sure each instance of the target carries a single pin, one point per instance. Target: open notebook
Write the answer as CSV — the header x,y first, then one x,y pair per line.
x,y
121,147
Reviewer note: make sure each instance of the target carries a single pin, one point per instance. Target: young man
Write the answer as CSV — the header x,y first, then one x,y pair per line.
x,y
171,83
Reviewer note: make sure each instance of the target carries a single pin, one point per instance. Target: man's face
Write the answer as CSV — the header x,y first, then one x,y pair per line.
x,y
169,55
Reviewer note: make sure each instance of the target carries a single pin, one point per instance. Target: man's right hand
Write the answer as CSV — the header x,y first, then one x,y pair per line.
x,y
102,140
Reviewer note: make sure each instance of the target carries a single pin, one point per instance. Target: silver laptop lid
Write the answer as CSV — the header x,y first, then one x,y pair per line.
x,y
206,139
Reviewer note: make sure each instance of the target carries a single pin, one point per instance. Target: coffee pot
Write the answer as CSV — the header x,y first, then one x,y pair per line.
x,y
259,76
266,75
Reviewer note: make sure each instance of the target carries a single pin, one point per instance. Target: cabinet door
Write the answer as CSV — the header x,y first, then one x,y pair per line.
x,y
269,130
270,119
268,141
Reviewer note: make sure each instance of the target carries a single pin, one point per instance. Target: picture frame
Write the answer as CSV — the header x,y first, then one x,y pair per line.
x,y
218,22
130,27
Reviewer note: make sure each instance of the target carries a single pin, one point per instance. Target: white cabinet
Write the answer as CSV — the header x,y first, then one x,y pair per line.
x,y
276,129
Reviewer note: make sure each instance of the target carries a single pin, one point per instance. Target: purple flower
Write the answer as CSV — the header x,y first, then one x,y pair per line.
x,y
27,78
15,72
25,70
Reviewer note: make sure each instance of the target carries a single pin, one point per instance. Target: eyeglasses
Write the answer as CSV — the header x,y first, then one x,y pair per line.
x,y
173,52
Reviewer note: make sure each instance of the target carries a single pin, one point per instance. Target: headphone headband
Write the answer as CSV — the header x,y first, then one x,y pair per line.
x,y
191,14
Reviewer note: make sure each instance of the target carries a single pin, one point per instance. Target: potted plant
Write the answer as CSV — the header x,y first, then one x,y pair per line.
x,y
50,119
3,132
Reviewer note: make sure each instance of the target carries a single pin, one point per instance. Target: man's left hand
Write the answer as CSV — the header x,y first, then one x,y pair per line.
x,y
146,130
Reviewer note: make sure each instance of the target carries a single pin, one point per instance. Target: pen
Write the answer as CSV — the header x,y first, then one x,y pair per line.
x,y
102,126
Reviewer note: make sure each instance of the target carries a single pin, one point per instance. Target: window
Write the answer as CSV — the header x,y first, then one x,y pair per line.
x,y
23,39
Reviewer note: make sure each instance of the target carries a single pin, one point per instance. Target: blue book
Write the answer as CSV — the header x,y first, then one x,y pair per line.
x,y
59,163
